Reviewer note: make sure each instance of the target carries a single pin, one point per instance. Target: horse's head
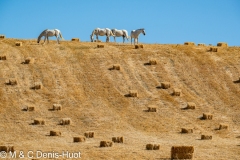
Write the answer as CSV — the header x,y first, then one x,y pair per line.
x,y
143,32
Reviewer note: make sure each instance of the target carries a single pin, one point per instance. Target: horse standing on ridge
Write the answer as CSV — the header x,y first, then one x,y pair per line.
x,y
101,32
135,34
49,33
120,33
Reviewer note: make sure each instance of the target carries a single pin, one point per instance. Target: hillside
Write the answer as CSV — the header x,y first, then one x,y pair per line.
x,y
78,76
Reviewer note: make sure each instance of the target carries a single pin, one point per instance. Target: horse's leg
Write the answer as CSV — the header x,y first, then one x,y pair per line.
x,y
131,40
45,39
57,39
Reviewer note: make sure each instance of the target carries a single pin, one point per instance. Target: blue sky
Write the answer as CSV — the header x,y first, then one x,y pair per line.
x,y
165,21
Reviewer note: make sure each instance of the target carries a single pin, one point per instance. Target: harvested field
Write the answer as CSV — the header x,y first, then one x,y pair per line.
x,y
76,75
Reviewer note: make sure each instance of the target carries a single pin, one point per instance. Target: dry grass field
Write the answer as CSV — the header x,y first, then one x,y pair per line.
x,y
94,96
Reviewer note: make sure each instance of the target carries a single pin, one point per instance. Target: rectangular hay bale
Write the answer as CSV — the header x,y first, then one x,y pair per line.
x,y
191,105
2,36
116,67
75,39
152,108
222,44
65,121
117,139
223,126
31,108
189,43
201,44
207,116
185,130
29,60
3,58
89,134
57,107
182,152
79,139
6,148
55,133
106,144
37,85
214,49
18,43
177,92
39,121
12,81
100,46
138,46
152,61
206,137
133,93
152,147
165,85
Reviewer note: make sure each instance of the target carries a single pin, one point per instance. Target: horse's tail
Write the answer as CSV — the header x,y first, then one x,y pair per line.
x,y
60,34
126,34
111,33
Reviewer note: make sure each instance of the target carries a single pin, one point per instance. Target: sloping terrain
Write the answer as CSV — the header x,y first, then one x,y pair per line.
x,y
78,76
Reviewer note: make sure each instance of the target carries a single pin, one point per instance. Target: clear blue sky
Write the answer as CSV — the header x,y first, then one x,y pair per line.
x,y
165,21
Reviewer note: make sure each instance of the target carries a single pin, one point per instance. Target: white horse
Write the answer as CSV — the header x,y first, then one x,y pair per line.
x,y
101,32
120,33
49,33
135,34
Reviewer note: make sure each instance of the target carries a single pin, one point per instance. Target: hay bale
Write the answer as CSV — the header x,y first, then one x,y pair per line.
x,y
185,130
18,43
214,49
116,67
6,148
75,39
165,85
177,92
100,46
206,137
2,37
201,44
189,43
182,152
89,134
138,46
207,116
152,108
31,108
152,61
223,126
29,60
222,44
39,121
152,147
117,139
106,144
191,105
97,40
133,93
37,85
65,121
12,81
79,139
55,133
57,107
3,58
